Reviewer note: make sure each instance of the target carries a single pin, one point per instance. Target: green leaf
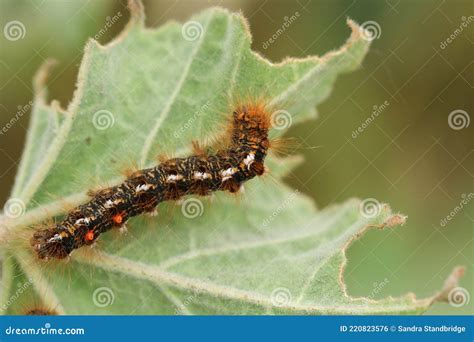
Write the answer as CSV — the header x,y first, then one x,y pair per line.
x,y
154,91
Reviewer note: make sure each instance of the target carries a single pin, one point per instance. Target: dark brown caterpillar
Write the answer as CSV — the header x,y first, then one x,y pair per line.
x,y
40,312
200,174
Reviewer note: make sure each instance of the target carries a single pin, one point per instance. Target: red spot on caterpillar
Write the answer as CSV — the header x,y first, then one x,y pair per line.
x,y
89,236
118,219
225,170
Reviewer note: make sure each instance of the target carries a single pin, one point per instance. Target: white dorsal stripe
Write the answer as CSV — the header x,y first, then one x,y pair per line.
x,y
174,178
249,159
109,204
56,237
201,175
227,174
85,220
143,187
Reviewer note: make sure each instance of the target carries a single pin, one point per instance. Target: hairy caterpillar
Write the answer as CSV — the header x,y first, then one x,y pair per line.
x,y
39,311
199,174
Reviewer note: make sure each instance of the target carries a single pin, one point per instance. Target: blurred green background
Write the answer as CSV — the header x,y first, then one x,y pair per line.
x,y
409,156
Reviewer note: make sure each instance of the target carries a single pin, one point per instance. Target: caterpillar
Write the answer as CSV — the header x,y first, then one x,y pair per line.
x,y
200,174
39,311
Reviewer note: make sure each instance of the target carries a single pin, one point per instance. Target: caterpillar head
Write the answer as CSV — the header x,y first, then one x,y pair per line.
x,y
50,243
